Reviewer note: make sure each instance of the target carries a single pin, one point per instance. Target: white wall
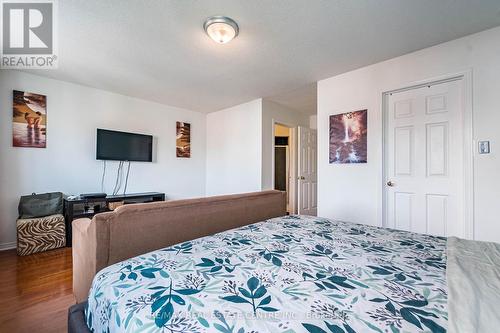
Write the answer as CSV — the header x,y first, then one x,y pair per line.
x,y
239,145
354,192
313,121
273,112
234,149
68,163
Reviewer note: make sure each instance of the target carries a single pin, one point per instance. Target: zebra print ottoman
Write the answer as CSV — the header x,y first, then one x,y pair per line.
x,y
40,234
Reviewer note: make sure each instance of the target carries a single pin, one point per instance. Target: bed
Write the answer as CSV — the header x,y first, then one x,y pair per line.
x,y
287,274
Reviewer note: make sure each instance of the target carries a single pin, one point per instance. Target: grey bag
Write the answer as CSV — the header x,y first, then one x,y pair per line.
x,y
40,205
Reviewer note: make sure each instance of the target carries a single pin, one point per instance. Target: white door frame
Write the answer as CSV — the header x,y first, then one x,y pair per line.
x,y
292,148
469,144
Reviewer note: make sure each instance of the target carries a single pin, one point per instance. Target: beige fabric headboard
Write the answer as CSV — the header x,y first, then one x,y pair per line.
x,y
132,230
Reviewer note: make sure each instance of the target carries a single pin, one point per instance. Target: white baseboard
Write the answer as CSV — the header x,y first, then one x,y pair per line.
x,y
8,246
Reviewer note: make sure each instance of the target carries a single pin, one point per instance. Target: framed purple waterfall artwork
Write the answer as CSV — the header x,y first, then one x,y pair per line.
x,y
348,137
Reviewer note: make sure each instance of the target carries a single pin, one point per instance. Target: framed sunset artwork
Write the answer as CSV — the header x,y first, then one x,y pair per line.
x,y
29,120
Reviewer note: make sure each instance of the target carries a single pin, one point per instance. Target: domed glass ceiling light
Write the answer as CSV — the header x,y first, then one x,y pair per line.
x,y
221,29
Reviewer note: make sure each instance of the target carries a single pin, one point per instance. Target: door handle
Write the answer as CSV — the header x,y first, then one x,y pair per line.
x,y
390,183
302,178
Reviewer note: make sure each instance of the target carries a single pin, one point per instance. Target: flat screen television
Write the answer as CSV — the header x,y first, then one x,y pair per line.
x,y
123,146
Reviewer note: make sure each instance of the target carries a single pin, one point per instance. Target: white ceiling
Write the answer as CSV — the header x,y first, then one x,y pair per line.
x,y
157,49
303,99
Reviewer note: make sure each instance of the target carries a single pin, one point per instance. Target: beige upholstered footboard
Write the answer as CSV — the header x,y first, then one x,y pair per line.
x,y
133,230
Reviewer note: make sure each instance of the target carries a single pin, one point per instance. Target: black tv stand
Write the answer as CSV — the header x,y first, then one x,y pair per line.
x,y
77,208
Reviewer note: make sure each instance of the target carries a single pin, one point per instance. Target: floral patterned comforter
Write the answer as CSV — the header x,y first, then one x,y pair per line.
x,y
289,274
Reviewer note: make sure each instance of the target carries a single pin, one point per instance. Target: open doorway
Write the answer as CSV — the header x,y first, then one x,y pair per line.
x,y
284,163
289,147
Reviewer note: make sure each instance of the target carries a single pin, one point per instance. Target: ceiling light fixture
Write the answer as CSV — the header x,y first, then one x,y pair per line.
x,y
221,29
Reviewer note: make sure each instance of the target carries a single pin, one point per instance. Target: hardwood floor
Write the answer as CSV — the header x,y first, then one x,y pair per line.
x,y
35,291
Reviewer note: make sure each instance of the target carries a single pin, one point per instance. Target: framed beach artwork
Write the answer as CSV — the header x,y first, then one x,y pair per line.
x,y
29,120
183,142
348,137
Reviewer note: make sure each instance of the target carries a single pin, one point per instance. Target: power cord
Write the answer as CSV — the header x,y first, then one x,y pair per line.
x,y
103,176
126,179
118,184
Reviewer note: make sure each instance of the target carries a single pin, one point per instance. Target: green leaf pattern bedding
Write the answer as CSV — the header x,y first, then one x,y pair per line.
x,y
289,274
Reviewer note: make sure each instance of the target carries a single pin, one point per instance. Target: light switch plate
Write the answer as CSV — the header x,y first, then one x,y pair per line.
x,y
484,147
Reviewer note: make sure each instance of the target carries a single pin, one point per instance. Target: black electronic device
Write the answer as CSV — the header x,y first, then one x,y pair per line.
x,y
123,146
93,195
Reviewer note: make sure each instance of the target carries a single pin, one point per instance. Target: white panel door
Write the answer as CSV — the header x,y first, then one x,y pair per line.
x,y
307,172
424,160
